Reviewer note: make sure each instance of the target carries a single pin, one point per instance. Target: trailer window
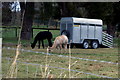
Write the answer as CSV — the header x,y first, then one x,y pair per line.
x,y
77,23
80,24
95,25
87,24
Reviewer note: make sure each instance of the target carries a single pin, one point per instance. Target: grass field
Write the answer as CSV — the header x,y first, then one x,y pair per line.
x,y
98,68
86,63
9,36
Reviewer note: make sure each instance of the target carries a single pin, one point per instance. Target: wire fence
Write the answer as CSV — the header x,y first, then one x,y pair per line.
x,y
85,59
37,69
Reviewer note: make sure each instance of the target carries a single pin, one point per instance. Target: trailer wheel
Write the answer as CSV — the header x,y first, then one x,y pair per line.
x,y
94,44
85,44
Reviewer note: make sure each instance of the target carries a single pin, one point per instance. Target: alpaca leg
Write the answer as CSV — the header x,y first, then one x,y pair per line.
x,y
65,48
39,44
43,44
60,47
50,42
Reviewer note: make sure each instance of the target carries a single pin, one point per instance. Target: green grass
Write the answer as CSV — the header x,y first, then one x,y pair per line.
x,y
105,54
9,36
116,42
104,69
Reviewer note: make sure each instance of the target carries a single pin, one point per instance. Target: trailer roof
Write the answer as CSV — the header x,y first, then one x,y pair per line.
x,y
82,20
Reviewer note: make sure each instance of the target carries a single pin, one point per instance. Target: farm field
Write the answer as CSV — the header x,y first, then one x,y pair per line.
x,y
85,63
92,38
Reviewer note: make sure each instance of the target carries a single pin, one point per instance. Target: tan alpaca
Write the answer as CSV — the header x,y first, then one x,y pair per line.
x,y
60,41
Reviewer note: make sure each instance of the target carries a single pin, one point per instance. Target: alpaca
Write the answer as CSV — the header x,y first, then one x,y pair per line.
x,y
60,41
40,37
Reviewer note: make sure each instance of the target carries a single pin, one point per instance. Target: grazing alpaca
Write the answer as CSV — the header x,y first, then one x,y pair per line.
x,y
60,41
40,37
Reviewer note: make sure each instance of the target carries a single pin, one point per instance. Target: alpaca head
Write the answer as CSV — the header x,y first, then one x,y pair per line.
x,y
32,45
49,49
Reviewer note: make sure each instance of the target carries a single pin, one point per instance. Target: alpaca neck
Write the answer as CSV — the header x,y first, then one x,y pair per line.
x,y
34,42
53,46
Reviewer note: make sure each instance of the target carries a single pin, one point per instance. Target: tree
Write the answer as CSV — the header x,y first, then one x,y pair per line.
x,y
116,15
72,9
26,32
104,11
6,13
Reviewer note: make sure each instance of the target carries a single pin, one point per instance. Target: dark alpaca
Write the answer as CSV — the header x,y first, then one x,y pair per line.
x,y
42,36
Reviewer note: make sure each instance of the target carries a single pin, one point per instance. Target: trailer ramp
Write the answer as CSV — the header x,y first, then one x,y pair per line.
x,y
107,40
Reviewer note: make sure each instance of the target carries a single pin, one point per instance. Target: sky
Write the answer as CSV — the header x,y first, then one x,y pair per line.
x,y
17,4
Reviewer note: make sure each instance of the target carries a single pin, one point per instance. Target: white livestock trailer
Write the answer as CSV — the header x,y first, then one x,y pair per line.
x,y
87,32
